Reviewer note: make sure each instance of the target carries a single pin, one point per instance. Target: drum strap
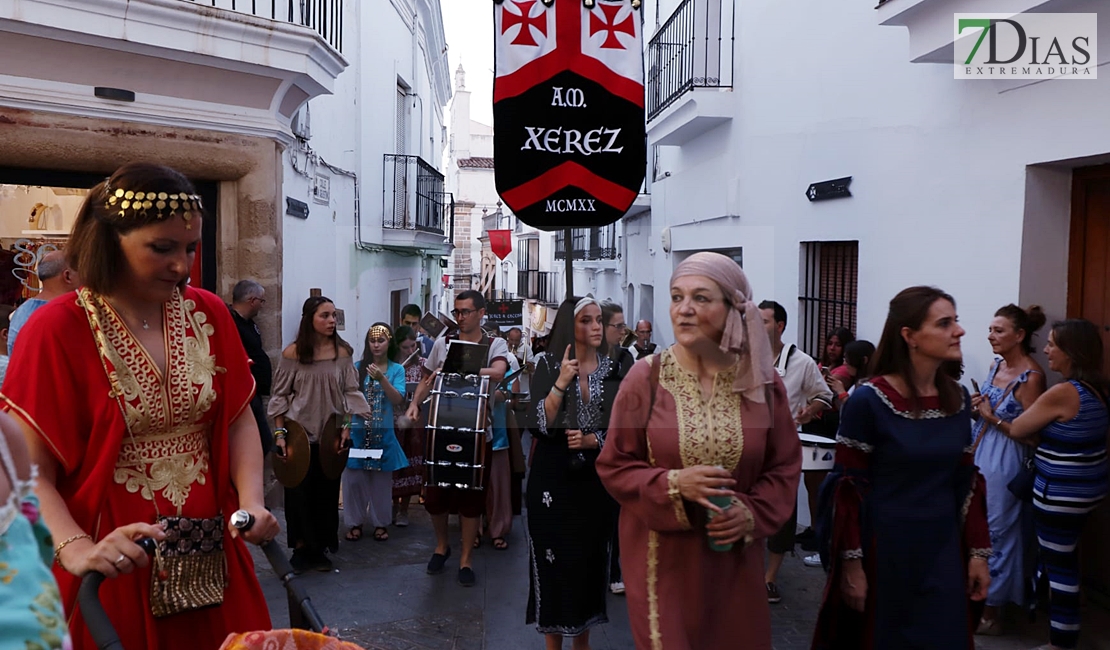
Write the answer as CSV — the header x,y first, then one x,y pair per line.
x,y
654,382
782,362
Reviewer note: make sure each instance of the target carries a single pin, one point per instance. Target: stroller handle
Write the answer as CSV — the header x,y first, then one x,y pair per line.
x,y
243,520
88,599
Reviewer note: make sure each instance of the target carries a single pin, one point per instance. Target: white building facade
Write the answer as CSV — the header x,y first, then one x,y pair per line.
x,y
991,190
210,89
529,273
365,168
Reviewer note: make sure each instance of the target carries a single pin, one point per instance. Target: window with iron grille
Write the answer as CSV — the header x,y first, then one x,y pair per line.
x,y
828,285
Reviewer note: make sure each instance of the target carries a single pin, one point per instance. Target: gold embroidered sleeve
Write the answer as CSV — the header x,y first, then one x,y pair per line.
x,y
676,499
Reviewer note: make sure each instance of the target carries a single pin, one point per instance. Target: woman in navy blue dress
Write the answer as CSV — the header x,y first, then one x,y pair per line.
x,y
1070,462
909,539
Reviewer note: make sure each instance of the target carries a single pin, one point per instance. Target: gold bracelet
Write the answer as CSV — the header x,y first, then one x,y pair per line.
x,y
59,547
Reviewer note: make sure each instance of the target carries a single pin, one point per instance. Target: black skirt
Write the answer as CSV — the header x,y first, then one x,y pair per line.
x,y
570,523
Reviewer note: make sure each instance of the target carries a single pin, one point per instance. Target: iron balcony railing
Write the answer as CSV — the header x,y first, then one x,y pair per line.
x,y
588,243
323,16
693,49
414,198
541,286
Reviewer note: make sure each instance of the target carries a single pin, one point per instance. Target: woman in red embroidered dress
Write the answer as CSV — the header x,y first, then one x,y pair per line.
x,y
707,419
135,399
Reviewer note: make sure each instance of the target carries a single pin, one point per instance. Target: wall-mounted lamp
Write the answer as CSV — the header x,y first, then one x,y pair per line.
x,y
115,94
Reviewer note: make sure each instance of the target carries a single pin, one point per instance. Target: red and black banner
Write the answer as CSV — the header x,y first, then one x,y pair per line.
x,y
568,108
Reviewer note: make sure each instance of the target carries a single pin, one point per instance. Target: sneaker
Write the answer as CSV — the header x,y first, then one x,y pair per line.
x,y
773,596
435,565
812,560
401,520
617,587
466,576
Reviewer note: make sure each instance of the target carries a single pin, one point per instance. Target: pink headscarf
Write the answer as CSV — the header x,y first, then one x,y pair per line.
x,y
744,333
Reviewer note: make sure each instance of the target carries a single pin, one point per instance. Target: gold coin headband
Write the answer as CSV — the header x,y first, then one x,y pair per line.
x,y
379,332
127,204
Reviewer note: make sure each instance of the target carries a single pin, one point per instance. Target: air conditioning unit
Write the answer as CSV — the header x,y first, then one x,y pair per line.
x,y
302,123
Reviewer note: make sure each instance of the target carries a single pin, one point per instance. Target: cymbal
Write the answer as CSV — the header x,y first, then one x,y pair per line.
x,y
332,462
291,469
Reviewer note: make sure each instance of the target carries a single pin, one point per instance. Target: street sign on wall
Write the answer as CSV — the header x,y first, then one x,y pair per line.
x,y
568,109
504,313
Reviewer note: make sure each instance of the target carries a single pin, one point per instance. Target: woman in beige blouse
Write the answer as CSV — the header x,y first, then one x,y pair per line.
x,y
315,379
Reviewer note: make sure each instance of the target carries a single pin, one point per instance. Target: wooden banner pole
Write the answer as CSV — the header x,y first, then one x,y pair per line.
x,y
569,261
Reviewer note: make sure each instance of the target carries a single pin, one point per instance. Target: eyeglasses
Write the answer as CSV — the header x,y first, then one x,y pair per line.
x,y
260,300
462,313
618,325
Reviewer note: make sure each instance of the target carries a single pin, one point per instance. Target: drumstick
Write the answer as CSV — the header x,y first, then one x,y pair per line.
x,y
411,357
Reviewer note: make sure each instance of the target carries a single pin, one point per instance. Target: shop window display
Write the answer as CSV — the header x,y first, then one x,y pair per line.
x,y
34,220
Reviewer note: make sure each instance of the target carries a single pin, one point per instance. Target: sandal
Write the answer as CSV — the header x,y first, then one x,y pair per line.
x,y
380,534
478,541
500,544
992,627
354,534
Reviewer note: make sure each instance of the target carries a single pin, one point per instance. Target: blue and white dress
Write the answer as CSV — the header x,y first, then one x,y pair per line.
x,y
368,482
1000,459
378,432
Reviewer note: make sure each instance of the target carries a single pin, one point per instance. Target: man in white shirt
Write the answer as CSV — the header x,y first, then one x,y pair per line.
x,y
809,396
470,307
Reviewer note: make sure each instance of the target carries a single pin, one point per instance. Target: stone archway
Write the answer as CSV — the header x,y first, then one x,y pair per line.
x,y
247,169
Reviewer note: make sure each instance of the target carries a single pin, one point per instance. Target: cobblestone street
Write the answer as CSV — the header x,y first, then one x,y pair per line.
x,y
380,597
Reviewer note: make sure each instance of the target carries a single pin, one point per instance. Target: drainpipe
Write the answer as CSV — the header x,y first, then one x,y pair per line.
x,y
416,81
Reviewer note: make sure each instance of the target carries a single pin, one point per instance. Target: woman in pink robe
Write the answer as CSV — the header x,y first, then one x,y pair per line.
x,y
706,419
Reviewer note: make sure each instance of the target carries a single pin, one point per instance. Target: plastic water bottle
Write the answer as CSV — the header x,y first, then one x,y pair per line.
x,y
724,503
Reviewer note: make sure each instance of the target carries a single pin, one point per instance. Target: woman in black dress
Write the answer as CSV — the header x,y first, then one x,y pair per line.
x,y
570,515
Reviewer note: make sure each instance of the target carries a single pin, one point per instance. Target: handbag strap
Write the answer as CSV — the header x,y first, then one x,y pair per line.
x,y
1006,393
654,383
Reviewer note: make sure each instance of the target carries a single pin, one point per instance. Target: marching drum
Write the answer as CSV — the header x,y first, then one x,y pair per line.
x,y
818,452
455,455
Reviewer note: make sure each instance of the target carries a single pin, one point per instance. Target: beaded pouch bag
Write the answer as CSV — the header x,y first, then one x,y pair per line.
x,y
190,569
